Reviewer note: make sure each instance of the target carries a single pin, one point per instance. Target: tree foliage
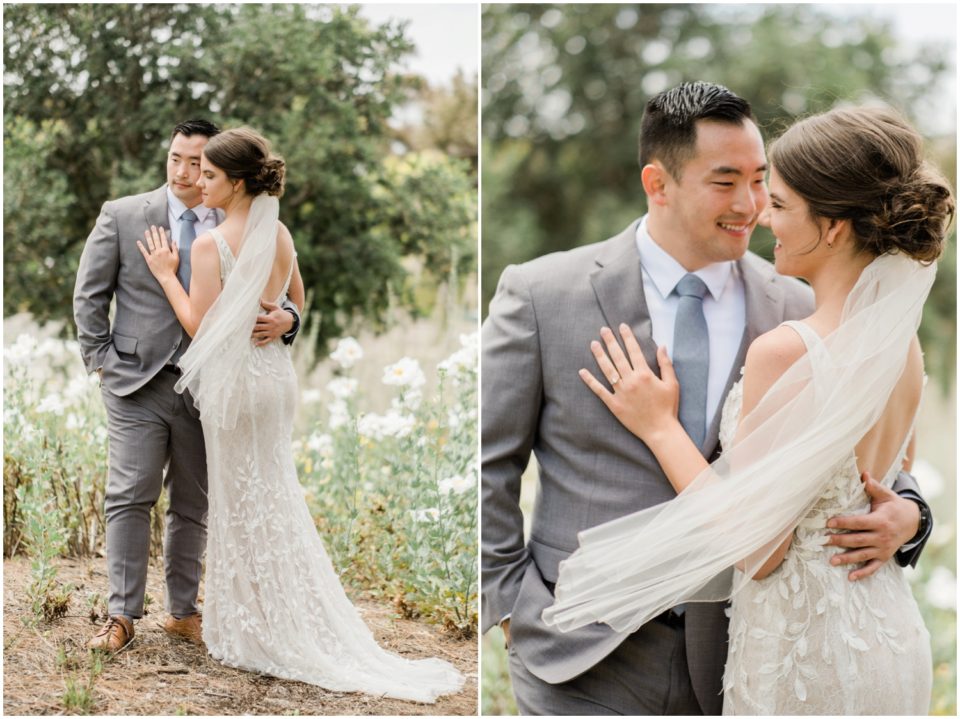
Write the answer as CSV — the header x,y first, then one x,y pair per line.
x,y
92,91
449,121
564,87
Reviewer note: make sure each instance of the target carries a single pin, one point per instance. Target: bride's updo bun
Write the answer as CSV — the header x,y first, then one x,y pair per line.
x,y
865,164
245,155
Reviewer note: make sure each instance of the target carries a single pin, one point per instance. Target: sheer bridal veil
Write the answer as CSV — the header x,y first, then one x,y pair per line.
x,y
211,366
744,505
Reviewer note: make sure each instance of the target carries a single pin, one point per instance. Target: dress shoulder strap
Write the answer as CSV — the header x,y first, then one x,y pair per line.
x,y
810,338
222,245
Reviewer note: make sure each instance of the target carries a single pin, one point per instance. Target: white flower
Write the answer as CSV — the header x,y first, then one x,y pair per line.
x,y
73,421
321,444
51,403
464,359
79,386
453,419
53,348
310,396
100,433
430,514
405,373
929,479
28,431
339,414
391,424
410,399
342,387
22,350
348,352
456,484
941,589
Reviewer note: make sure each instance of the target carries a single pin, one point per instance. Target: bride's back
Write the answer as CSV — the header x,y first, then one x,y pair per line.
x,y
282,261
879,448
282,264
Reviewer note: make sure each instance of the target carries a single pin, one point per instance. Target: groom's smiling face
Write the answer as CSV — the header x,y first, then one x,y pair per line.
x,y
709,212
183,167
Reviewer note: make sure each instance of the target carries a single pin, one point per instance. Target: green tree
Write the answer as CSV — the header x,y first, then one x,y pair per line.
x,y
114,79
449,121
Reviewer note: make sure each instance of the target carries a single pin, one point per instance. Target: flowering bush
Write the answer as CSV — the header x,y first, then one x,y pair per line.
x,y
393,493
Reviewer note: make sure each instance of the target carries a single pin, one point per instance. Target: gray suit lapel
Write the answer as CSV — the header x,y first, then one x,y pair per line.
x,y
618,284
155,209
764,310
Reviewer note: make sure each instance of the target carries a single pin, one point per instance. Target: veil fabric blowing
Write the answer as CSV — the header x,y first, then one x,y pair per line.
x,y
741,508
211,365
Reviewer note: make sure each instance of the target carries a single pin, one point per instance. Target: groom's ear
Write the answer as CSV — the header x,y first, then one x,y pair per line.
x,y
654,178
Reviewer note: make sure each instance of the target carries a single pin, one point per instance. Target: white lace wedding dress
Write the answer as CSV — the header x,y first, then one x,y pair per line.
x,y
806,640
273,601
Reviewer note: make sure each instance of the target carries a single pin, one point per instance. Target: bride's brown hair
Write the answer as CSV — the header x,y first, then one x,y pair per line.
x,y
245,155
865,164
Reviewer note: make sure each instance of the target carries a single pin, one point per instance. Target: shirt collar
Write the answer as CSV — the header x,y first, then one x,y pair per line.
x,y
665,272
178,208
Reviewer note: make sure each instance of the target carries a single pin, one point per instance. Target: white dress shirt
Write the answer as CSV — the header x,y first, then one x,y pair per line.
x,y
207,218
724,309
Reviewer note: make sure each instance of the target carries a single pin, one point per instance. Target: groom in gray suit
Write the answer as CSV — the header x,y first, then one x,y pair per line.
x,y
703,168
155,435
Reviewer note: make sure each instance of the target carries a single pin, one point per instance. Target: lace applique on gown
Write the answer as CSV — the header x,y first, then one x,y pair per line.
x,y
806,640
273,601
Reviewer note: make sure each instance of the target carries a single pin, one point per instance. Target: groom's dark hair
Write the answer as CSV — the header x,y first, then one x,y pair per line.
x,y
195,127
668,131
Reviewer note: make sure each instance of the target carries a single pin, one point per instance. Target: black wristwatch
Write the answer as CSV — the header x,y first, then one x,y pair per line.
x,y
926,518
288,337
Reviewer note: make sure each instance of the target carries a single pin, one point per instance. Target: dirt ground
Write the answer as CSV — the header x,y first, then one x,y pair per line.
x,y
46,669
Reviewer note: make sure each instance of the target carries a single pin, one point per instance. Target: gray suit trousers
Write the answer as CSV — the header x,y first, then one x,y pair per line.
x,y
646,675
151,430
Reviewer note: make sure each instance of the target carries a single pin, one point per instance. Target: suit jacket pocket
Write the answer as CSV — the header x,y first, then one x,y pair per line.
x,y
125,346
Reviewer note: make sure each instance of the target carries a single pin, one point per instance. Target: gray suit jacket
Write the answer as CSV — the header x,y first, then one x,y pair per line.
x,y
592,470
145,332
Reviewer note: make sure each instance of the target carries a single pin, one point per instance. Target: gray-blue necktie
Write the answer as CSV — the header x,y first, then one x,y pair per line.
x,y
188,233
691,356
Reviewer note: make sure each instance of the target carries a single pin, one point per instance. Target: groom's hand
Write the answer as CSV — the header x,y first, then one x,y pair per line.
x,y
875,537
272,326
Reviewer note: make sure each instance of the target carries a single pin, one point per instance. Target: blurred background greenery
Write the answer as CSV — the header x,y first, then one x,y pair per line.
x,y
381,202
562,94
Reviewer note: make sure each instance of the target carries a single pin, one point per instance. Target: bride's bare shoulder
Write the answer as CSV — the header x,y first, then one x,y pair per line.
x,y
768,357
284,240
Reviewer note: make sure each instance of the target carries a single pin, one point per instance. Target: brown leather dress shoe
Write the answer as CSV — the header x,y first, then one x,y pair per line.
x,y
189,628
113,636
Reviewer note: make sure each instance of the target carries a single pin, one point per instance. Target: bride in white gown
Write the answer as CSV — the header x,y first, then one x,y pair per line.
x,y
273,602
858,214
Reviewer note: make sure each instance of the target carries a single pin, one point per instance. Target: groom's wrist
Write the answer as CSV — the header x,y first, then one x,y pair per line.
x,y
924,520
288,336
